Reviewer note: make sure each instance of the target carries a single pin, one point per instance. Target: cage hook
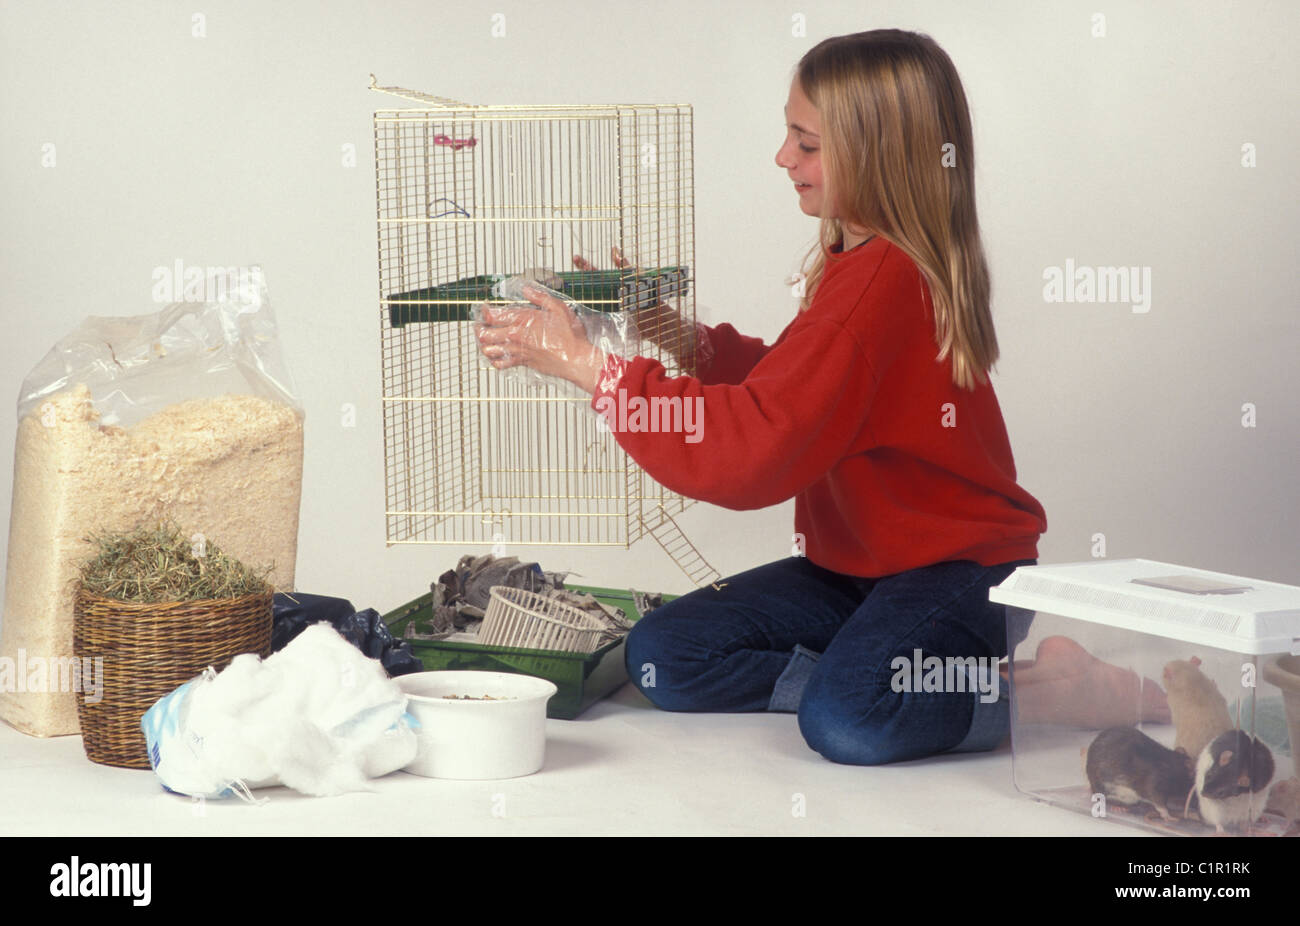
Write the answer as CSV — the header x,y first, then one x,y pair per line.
x,y
458,210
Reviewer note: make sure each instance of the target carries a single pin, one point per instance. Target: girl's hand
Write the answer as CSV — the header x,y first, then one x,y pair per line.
x,y
615,255
659,324
550,339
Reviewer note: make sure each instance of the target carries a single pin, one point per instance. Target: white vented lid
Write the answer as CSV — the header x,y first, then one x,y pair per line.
x,y
1258,618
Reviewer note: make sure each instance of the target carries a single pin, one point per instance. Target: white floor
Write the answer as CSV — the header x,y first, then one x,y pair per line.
x,y
624,767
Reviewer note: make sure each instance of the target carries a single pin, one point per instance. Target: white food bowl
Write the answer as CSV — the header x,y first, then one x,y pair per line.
x,y
477,739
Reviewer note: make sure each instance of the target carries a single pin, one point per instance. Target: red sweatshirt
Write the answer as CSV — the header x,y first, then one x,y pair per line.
x,y
891,465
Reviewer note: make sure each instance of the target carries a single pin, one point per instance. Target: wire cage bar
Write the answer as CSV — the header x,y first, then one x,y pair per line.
x,y
466,195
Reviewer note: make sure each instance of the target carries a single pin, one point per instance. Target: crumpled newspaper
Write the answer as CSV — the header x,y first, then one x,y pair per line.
x,y
460,597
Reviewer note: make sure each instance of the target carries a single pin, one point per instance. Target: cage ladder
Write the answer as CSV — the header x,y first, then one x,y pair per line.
x,y
688,559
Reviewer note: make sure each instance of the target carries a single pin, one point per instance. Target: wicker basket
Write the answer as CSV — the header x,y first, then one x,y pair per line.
x,y
148,650
515,617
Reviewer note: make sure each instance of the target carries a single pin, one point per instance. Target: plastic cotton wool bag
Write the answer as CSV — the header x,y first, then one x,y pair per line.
x,y
317,716
611,332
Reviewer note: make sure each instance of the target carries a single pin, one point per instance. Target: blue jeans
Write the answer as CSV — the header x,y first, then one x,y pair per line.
x,y
792,636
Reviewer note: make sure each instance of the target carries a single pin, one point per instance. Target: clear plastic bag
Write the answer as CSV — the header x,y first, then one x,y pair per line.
x,y
654,330
139,364
613,333
662,326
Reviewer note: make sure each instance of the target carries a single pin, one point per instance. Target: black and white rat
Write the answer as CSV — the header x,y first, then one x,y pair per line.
x,y
1232,773
1130,768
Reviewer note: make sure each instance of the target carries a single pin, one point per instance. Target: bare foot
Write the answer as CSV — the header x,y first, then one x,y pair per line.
x,y
1067,684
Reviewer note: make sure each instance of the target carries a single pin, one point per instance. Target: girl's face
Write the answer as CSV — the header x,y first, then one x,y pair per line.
x,y
800,154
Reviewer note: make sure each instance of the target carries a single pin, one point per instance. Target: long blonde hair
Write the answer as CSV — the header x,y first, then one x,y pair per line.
x,y
898,160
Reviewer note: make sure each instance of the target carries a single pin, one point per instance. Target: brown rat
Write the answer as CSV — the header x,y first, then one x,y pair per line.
x,y
1198,710
1130,768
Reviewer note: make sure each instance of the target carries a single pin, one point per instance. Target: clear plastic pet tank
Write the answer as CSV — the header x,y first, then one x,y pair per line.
x,y
1156,695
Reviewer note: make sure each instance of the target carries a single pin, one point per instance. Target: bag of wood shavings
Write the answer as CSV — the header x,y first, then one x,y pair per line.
x,y
187,414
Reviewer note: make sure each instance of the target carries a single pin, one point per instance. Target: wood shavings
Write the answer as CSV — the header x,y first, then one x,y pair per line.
x,y
227,468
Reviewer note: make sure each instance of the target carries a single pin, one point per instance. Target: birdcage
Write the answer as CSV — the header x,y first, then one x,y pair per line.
x,y
468,195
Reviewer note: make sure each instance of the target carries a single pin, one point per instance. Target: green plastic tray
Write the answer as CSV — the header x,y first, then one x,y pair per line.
x,y
603,290
582,678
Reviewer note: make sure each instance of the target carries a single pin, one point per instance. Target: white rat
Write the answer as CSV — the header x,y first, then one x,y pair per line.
x,y
1198,709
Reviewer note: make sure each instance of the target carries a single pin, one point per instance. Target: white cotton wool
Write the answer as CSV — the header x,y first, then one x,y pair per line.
x,y
318,716
218,713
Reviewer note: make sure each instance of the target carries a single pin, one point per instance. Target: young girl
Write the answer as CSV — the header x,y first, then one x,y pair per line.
x,y
872,410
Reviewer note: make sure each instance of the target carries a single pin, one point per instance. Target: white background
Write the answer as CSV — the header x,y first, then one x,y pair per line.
x,y
1117,150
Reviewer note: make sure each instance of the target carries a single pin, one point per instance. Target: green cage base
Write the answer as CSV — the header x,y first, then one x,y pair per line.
x,y
582,678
